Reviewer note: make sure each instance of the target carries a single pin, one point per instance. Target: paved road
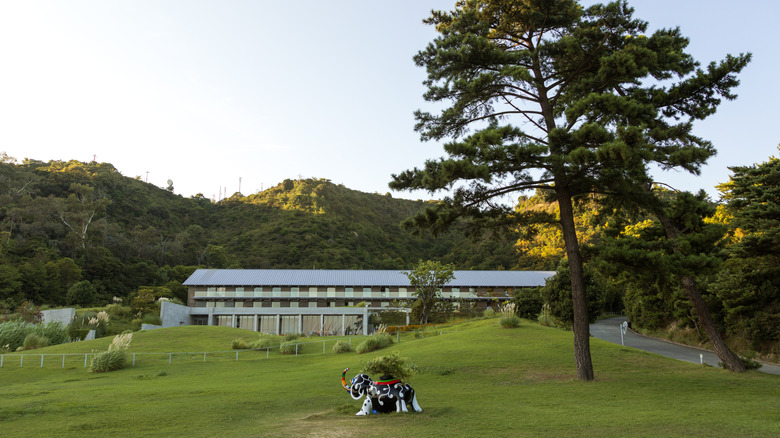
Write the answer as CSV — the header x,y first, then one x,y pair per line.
x,y
609,330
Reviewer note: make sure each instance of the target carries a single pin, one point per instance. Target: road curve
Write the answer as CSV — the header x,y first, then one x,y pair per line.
x,y
609,330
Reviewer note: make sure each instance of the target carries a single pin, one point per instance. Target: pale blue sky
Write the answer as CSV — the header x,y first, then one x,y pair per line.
x,y
205,92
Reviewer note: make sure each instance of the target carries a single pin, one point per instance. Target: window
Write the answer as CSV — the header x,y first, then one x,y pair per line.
x,y
349,292
331,292
294,292
276,292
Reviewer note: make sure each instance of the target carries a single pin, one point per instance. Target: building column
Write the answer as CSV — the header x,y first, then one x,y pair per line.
x,y
233,321
300,323
365,321
343,325
278,329
257,323
211,316
322,325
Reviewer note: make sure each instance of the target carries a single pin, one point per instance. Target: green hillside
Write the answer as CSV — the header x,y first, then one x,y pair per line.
x,y
68,222
474,380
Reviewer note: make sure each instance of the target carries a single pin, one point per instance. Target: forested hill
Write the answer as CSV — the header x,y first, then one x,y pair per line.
x,y
65,222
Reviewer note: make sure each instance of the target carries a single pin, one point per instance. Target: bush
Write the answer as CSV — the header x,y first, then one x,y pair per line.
x,y
374,342
289,347
341,347
111,360
290,337
391,365
489,313
33,341
151,318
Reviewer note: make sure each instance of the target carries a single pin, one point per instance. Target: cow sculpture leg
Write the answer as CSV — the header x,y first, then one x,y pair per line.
x,y
367,407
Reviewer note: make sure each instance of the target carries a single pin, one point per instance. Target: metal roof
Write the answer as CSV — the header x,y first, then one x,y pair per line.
x,y
350,278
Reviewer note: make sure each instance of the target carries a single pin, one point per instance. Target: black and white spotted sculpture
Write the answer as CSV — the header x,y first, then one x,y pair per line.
x,y
382,396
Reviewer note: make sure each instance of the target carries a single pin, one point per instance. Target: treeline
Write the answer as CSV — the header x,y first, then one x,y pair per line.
x,y
649,264
82,233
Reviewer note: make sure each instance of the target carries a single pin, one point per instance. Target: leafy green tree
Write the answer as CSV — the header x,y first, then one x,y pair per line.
x,y
82,293
428,277
10,286
562,99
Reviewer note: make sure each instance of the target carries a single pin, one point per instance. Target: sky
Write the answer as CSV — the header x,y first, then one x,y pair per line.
x,y
218,96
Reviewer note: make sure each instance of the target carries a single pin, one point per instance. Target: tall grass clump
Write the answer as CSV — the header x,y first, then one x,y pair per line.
x,y
341,347
14,333
33,341
289,347
116,356
241,344
264,342
508,317
545,316
377,341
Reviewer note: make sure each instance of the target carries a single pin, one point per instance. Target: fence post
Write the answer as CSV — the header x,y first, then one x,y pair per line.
x,y
170,356
204,356
63,361
397,336
236,356
21,361
85,360
133,359
42,360
267,350
296,350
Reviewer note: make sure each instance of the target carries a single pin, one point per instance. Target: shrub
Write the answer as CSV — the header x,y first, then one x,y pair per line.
x,y
489,313
289,347
33,341
240,344
110,360
290,337
341,347
391,365
374,342
151,318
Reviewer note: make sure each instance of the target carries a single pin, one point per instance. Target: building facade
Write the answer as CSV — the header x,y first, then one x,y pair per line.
x,y
322,301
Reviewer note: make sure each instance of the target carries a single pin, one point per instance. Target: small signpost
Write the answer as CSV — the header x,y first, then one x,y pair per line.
x,y
623,330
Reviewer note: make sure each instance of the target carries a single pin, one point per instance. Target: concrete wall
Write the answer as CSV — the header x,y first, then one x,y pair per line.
x,y
64,316
174,315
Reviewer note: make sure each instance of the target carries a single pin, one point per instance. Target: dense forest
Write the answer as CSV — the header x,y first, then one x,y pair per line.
x,y
63,223
74,233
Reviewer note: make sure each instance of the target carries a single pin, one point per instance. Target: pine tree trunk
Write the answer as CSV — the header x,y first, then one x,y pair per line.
x,y
729,358
581,324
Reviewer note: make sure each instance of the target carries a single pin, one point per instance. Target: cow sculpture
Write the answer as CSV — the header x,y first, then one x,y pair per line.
x,y
384,395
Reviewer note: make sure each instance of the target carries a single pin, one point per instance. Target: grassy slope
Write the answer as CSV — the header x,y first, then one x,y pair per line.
x,y
479,381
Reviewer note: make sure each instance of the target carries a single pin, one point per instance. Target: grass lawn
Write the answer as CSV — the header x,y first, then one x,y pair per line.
x,y
481,380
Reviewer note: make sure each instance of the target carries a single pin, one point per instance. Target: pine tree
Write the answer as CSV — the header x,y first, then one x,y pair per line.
x,y
562,99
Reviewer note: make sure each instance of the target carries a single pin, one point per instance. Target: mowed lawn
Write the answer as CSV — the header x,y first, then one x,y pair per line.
x,y
477,380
